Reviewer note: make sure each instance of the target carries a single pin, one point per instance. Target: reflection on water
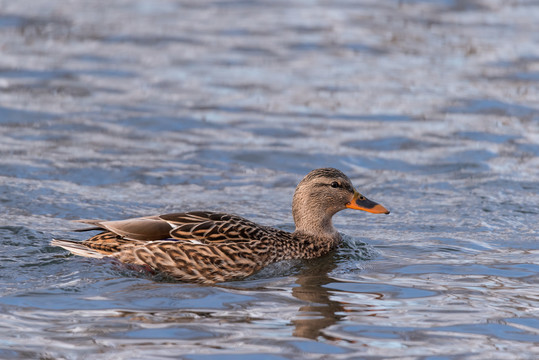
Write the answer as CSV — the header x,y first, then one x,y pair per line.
x,y
134,108
321,311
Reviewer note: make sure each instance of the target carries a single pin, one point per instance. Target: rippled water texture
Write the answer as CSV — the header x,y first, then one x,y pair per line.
x,y
114,109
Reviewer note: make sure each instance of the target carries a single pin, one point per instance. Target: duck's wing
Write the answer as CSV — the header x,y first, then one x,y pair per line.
x,y
148,228
197,226
210,227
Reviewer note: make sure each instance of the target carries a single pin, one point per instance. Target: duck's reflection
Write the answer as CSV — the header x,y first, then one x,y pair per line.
x,y
321,311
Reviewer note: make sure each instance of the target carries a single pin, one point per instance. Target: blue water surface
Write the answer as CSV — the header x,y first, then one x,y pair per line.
x,y
110,110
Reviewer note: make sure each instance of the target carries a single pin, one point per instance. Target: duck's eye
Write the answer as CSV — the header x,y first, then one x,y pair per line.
x,y
334,184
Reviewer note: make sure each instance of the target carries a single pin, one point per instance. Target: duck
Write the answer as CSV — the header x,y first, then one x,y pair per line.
x,y
213,247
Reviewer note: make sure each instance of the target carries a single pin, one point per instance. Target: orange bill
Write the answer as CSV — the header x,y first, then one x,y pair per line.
x,y
360,202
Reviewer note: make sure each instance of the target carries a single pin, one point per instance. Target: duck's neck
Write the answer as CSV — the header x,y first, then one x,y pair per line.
x,y
311,220
315,226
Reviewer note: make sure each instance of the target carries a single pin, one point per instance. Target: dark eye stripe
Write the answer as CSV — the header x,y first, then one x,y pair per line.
x,y
344,186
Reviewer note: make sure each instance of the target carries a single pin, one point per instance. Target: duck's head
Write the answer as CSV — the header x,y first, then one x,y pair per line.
x,y
323,193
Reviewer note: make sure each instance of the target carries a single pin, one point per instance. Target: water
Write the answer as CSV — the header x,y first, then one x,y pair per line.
x,y
129,108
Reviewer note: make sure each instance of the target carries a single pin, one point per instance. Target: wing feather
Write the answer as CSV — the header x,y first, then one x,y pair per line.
x,y
210,227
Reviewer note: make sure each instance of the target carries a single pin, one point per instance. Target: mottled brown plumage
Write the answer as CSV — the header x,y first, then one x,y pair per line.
x,y
209,247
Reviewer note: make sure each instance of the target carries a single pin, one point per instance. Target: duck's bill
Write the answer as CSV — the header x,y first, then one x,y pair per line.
x,y
362,203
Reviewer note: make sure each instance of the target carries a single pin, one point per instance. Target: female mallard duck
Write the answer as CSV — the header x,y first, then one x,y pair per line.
x,y
209,247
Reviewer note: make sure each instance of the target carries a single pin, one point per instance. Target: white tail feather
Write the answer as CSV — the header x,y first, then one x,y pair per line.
x,y
77,248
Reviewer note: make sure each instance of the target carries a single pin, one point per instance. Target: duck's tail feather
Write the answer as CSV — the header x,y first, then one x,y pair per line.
x,y
88,229
96,225
77,248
